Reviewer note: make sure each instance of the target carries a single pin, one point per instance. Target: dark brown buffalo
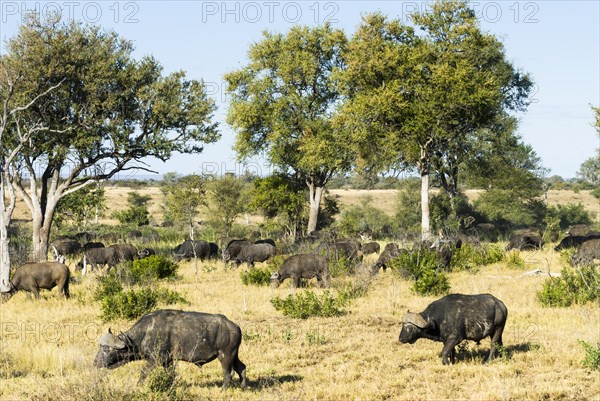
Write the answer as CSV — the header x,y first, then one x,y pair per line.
x,y
32,277
587,252
303,266
165,336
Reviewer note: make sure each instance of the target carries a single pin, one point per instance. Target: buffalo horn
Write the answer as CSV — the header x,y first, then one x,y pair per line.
x,y
414,318
112,341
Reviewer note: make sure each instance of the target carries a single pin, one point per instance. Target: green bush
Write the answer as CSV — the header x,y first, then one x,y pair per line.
x,y
129,304
592,355
596,193
365,217
109,285
574,286
468,256
340,267
422,267
306,304
569,214
153,267
514,260
256,276
117,303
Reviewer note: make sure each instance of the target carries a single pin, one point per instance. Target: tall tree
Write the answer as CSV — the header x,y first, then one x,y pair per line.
x,y
589,170
282,106
183,198
228,201
112,112
416,99
15,134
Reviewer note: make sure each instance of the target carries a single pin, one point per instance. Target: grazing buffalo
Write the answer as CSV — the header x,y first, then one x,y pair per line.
x,y
165,336
32,277
84,236
370,247
144,253
233,248
265,241
213,250
66,248
91,245
125,252
457,317
390,252
304,266
99,257
341,248
524,242
587,252
254,253
192,248
574,241
579,229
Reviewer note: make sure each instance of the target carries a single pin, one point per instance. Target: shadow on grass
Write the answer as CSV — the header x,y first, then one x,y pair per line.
x,y
465,353
260,383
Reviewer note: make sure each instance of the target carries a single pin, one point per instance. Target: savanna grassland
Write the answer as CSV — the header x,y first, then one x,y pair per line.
x,y
47,347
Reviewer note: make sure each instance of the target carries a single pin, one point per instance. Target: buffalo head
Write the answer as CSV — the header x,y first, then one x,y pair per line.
x,y
413,327
114,351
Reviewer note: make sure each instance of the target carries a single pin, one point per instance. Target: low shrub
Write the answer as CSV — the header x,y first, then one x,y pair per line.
x,y
153,267
469,257
574,286
306,303
592,355
134,303
340,267
256,276
422,267
108,285
513,260
129,304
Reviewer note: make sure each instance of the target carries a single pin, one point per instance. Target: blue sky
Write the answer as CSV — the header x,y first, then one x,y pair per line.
x,y
557,42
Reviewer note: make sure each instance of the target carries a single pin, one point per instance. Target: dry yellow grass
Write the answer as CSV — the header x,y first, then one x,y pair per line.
x,y
47,346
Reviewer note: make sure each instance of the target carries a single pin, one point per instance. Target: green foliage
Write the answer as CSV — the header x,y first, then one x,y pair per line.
x,y
129,304
108,285
183,196
469,257
513,260
256,276
596,193
574,286
340,267
408,207
306,304
137,212
80,207
592,355
421,266
228,201
508,208
364,217
569,214
153,267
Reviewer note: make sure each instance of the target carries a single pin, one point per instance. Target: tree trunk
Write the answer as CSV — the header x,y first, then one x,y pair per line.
x,y
314,194
425,227
4,255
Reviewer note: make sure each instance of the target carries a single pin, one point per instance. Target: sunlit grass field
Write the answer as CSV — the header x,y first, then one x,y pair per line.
x,y
47,347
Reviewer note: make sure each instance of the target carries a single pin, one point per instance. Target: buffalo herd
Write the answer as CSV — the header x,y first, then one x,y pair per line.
x,y
164,336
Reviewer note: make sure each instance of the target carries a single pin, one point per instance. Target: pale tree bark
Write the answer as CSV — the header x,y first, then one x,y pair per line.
x,y
424,165
315,194
8,171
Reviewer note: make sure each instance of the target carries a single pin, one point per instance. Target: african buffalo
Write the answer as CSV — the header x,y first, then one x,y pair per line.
x,y
233,248
125,252
144,253
304,266
370,247
454,318
165,336
99,257
523,242
254,253
587,252
390,252
66,248
32,277
192,248
91,245
574,241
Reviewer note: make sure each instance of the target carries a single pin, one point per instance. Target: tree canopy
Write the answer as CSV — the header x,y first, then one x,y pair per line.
x,y
282,106
109,112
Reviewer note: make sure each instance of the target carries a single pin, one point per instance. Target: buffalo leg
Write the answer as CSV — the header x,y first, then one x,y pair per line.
x,y
240,369
448,351
296,281
496,340
227,365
